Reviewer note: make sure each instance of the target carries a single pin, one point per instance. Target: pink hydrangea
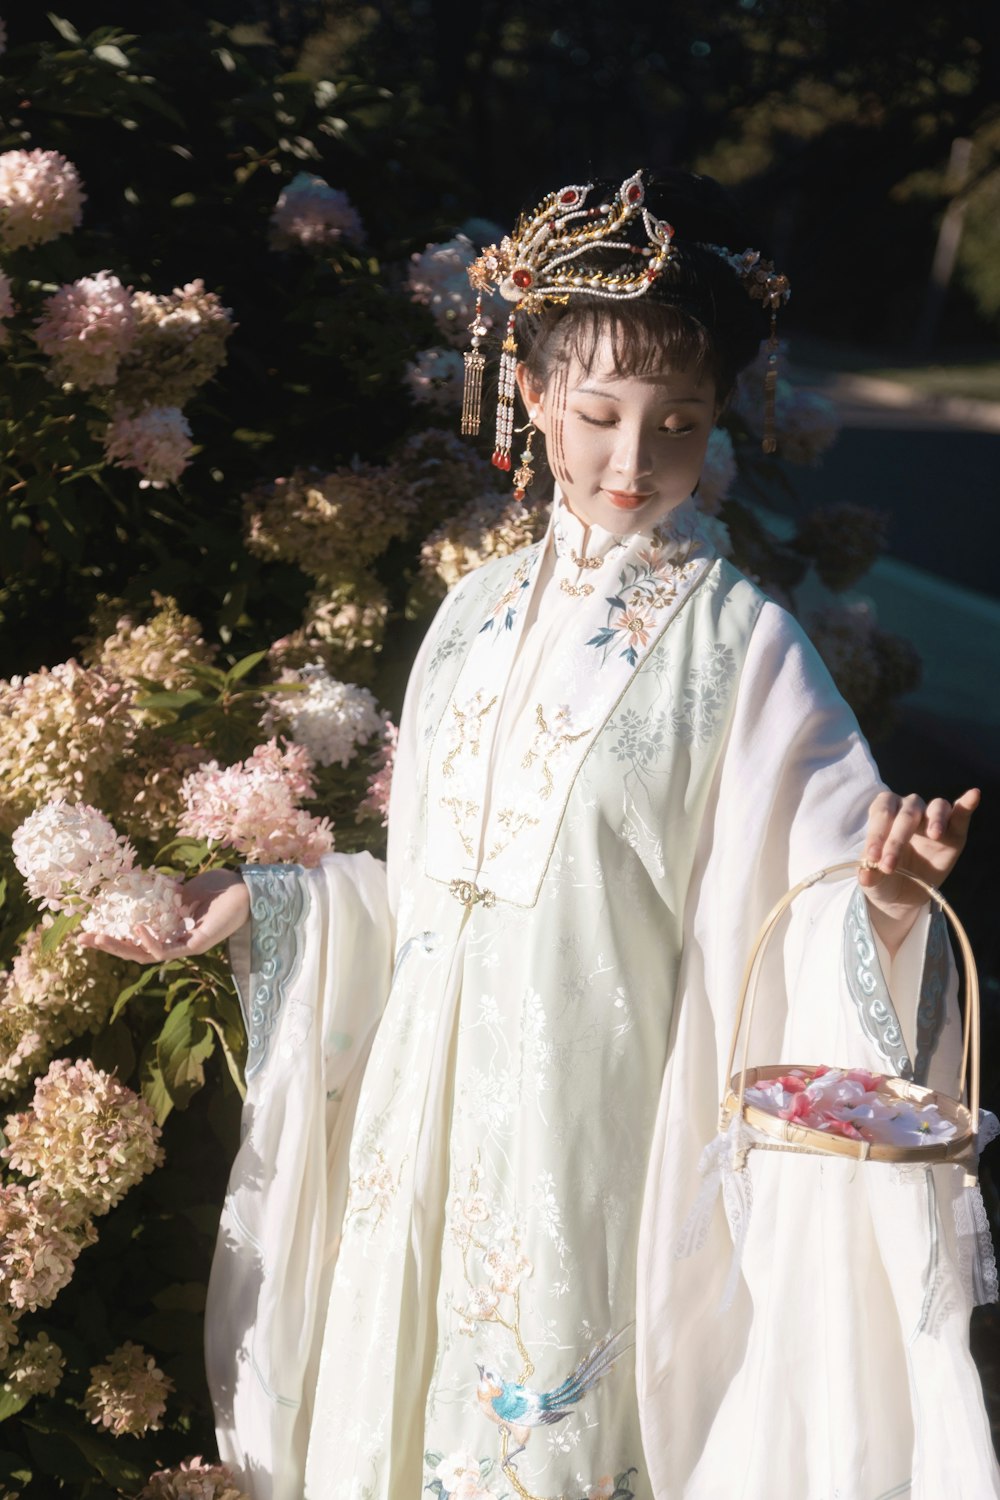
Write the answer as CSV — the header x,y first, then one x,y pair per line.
x,y
41,197
193,1480
376,799
128,1392
66,851
37,1370
309,212
40,1239
138,898
85,329
86,1137
252,806
157,442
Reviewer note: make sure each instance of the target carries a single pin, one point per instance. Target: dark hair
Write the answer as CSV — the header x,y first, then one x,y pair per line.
x,y
696,315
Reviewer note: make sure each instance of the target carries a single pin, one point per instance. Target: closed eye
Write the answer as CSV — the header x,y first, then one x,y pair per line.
x,y
610,422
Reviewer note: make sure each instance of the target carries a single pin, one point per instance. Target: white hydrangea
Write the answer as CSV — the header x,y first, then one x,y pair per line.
x,y
66,851
717,473
439,279
435,378
330,719
138,898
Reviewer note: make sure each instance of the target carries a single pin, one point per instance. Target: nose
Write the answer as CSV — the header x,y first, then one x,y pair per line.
x,y
633,457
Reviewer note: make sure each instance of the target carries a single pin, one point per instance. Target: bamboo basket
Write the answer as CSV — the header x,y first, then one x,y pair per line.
x,y
788,1135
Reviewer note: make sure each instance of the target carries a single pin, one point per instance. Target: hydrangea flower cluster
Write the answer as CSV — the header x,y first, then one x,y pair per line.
x,y
156,441
717,473
61,731
128,1392
37,1370
41,197
252,806
343,626
138,899
435,378
193,1480
376,798
66,852
47,1000
312,214
86,1137
40,1240
147,795
439,280
161,649
486,528
806,423
328,523
850,1102
179,344
86,328
331,719
442,472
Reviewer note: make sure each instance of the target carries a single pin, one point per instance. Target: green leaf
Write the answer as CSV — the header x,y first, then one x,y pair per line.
x,y
182,1296
246,666
182,1048
11,1402
111,54
13,1467
66,29
137,986
178,699
235,1071
64,923
114,1052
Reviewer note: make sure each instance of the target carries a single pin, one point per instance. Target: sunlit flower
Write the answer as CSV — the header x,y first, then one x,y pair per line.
x,y
41,197
494,526
439,278
86,1137
128,1393
137,899
37,1370
179,344
40,1240
193,1480
328,523
331,719
506,1267
161,649
435,378
85,329
157,442
61,730
66,852
311,213
252,806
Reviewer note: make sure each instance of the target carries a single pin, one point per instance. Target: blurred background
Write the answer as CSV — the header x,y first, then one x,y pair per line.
x,y
325,172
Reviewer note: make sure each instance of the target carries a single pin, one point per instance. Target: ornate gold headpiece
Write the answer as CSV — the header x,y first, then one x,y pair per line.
x,y
539,265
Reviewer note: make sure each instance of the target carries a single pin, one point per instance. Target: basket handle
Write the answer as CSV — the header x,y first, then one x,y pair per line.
x,y
751,973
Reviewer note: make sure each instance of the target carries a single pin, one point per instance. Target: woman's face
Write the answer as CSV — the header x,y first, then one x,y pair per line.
x,y
626,449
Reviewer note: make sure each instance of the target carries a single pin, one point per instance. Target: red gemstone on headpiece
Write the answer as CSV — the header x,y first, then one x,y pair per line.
x,y
518,494
500,460
522,278
652,275
634,193
569,197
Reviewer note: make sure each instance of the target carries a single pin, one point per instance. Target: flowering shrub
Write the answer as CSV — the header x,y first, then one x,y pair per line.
x,y
66,852
42,1238
157,442
193,1480
439,280
484,529
85,329
252,806
324,522
311,214
330,719
128,1392
179,344
41,197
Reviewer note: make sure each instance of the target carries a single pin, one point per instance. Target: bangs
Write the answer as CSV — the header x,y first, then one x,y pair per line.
x,y
642,341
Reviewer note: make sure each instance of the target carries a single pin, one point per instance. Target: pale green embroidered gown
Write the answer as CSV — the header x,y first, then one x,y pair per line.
x,y
615,755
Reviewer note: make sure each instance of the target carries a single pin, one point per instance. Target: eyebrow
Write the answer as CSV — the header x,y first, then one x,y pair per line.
x,y
589,390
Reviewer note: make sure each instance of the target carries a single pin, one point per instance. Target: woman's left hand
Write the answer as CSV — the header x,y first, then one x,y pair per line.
x,y
905,833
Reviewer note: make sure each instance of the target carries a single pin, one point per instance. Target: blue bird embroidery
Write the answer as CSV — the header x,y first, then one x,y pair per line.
x,y
517,1409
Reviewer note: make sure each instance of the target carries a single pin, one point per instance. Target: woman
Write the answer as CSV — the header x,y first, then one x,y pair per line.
x,y
449,1256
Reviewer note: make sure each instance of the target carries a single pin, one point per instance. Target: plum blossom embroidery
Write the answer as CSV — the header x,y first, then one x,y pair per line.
x,y
468,728
377,1186
549,740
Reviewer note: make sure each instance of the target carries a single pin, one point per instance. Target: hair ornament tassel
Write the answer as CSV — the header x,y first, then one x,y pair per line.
x,y
505,400
769,441
472,385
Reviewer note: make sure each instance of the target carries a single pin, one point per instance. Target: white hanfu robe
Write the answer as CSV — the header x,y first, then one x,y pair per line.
x,y
481,1082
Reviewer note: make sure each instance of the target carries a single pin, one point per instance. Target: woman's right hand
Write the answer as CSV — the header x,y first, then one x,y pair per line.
x,y
218,904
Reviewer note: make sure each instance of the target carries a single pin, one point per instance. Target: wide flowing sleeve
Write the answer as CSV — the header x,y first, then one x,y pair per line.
x,y
830,1355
